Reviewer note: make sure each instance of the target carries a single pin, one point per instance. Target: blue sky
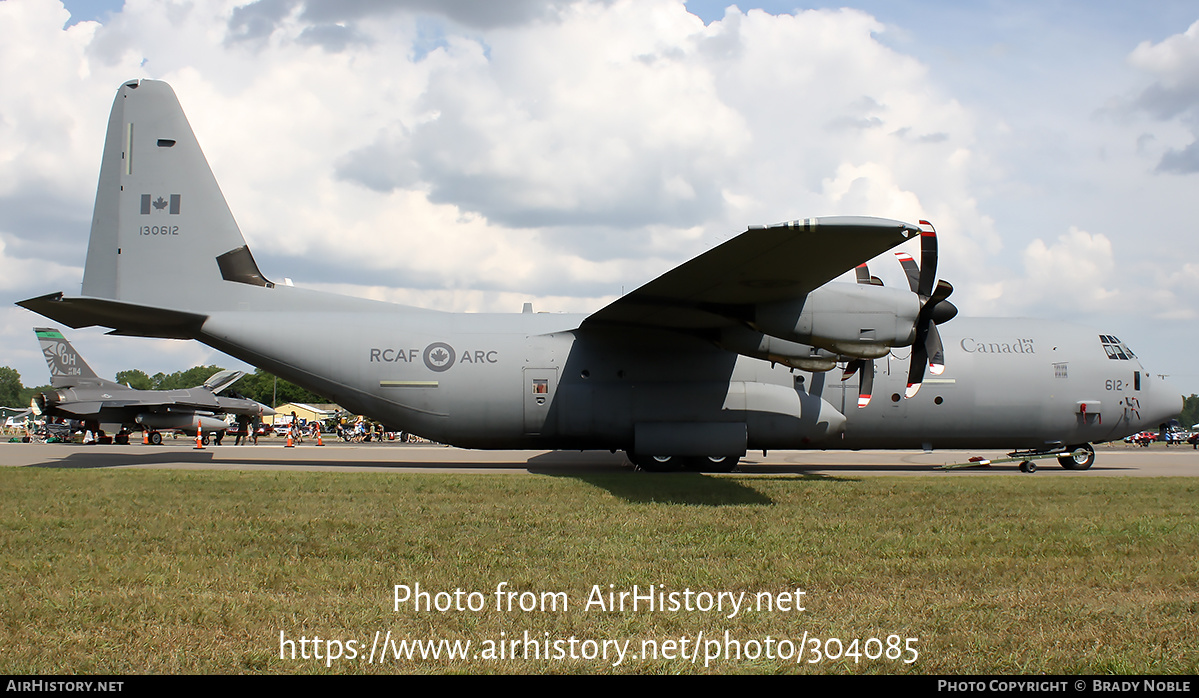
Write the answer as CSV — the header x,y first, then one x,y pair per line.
x,y
90,10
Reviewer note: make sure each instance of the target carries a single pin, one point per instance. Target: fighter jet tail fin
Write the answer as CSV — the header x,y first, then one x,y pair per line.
x,y
162,234
222,379
67,367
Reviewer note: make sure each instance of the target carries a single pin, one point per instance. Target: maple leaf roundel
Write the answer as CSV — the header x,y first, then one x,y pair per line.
x,y
439,356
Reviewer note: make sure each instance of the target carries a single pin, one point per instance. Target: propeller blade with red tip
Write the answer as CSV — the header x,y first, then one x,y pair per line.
x,y
935,351
866,380
866,384
927,349
911,269
928,259
917,363
862,274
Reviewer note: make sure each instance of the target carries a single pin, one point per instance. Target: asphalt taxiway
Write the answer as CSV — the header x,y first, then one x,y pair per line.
x,y
1111,459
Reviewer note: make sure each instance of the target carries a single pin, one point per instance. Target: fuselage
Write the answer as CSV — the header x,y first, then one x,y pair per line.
x,y
540,381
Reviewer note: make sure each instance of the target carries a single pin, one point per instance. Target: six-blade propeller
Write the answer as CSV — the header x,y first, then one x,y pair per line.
x,y
927,350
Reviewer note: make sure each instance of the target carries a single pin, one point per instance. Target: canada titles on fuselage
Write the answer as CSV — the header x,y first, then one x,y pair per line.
x,y
1018,346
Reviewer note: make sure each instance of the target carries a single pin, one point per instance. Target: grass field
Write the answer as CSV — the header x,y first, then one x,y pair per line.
x,y
199,572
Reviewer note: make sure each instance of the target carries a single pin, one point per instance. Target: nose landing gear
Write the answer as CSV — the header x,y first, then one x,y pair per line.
x,y
1079,457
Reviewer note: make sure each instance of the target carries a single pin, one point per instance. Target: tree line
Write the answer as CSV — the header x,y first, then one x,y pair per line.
x,y
260,385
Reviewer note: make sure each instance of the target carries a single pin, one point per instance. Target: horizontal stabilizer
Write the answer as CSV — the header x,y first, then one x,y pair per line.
x,y
123,318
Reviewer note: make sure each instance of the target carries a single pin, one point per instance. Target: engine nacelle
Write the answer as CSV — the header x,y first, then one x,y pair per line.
x,y
45,403
860,320
747,342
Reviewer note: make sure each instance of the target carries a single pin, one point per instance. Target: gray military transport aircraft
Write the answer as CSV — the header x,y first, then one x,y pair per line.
x,y
80,394
728,352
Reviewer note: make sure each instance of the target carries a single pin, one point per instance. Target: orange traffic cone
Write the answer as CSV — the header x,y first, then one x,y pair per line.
x,y
289,443
318,438
199,432
145,437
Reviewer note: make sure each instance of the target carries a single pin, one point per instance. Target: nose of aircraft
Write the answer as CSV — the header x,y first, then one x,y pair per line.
x,y
1164,403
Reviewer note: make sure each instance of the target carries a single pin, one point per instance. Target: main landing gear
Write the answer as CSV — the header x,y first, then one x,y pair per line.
x,y
698,464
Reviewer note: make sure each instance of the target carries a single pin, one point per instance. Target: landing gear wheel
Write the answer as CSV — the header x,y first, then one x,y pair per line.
x,y
204,440
155,438
1079,457
1028,467
713,464
657,464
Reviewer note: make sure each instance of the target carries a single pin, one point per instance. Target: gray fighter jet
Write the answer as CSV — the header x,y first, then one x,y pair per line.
x,y
729,352
80,394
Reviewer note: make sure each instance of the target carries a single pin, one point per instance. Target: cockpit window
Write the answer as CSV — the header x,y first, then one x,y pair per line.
x,y
1115,348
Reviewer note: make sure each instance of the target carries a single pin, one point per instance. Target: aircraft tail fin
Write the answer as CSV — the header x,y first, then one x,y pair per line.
x,y
162,234
165,253
67,367
222,379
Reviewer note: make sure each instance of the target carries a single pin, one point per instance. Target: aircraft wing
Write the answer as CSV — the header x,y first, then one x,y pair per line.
x,y
96,400
765,264
81,408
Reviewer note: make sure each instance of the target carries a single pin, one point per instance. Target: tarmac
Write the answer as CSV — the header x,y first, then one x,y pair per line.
x,y
271,454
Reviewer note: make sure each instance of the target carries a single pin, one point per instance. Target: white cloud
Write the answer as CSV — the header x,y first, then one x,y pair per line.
x,y
1081,273
1175,58
19,275
1175,92
1073,272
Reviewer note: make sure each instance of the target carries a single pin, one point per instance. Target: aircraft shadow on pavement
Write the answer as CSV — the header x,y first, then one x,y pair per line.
x,y
616,475
553,463
98,460
812,470
112,460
